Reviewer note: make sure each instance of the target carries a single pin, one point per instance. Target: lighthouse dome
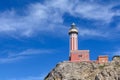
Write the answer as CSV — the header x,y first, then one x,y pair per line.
x,y
73,29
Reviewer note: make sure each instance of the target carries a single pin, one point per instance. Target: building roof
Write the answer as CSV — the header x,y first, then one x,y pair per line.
x,y
73,26
73,29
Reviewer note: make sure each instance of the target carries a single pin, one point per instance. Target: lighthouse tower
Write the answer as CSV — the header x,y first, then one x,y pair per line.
x,y
73,32
75,54
80,55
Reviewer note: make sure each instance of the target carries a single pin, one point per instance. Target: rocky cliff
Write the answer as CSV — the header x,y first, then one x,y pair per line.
x,y
86,71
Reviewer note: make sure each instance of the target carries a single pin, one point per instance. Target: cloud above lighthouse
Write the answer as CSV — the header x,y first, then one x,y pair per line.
x,y
48,17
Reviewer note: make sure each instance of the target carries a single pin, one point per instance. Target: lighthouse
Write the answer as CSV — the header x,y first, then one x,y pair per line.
x,y
75,54
73,32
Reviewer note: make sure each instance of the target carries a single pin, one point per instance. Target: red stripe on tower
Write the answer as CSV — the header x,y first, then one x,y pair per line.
x,y
73,44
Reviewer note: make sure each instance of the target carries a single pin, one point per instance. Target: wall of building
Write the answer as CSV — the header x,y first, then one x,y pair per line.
x,y
79,55
83,55
102,59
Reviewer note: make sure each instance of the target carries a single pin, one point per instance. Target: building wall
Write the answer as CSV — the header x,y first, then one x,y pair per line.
x,y
79,55
102,59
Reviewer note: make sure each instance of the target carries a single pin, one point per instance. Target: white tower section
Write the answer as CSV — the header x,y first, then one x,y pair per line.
x,y
73,32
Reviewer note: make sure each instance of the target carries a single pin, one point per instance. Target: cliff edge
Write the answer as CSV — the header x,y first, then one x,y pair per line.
x,y
86,71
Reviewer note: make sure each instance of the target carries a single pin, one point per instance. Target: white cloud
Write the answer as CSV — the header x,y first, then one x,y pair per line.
x,y
31,52
116,53
85,9
10,59
47,17
41,77
94,11
38,18
92,32
15,56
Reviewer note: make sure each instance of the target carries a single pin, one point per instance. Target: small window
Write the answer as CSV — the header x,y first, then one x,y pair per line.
x,y
80,55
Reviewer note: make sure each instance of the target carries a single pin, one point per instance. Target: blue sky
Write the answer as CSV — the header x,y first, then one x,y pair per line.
x,y
34,33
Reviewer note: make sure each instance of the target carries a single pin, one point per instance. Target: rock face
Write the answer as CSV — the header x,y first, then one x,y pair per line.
x,y
86,71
